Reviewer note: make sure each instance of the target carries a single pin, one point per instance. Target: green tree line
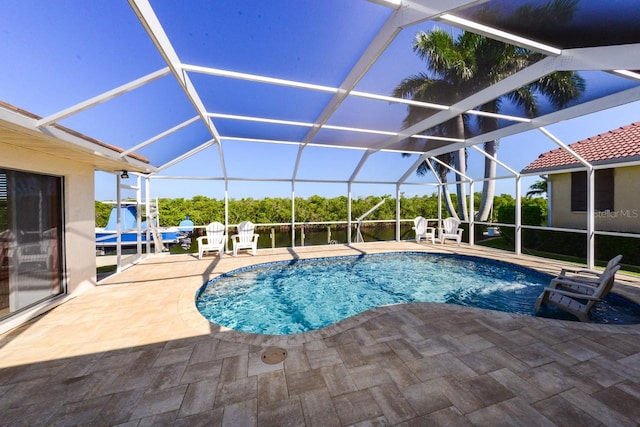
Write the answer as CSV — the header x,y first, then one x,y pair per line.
x,y
203,210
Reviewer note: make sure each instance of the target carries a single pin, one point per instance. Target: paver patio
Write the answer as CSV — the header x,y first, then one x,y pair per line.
x,y
134,351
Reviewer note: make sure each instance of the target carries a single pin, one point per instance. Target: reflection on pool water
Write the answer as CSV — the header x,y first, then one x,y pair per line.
x,y
302,295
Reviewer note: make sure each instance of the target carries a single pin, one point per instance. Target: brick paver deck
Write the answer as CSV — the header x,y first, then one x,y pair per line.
x,y
134,351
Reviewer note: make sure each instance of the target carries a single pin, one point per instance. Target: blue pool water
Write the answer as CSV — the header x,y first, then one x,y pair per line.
x,y
303,295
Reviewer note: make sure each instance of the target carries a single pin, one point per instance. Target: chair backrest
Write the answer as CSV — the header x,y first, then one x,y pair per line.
x,y
450,225
606,281
613,262
245,231
215,232
420,225
7,244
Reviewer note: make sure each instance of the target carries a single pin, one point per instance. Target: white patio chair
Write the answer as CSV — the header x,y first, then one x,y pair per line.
x,y
7,249
422,231
215,239
245,239
450,230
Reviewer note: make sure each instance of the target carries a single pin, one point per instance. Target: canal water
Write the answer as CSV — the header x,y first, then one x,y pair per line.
x,y
324,235
307,236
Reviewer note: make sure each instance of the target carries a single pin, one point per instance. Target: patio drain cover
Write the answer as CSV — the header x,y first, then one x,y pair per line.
x,y
273,355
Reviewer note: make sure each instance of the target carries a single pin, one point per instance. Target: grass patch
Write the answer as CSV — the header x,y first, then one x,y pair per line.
x,y
106,269
501,243
496,243
178,250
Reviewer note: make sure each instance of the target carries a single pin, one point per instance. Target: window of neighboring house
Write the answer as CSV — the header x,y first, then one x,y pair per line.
x,y
604,190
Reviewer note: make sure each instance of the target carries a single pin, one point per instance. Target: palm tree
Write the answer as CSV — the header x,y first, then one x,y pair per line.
x,y
441,172
459,67
538,188
443,58
558,88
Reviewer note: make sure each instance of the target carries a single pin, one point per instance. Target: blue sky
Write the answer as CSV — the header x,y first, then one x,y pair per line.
x,y
62,52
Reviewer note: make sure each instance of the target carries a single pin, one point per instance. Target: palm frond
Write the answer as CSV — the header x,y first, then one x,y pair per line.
x,y
561,87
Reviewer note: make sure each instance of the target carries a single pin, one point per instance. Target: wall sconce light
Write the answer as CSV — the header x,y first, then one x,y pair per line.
x,y
124,175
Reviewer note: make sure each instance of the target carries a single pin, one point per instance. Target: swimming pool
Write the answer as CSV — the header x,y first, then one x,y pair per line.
x,y
296,296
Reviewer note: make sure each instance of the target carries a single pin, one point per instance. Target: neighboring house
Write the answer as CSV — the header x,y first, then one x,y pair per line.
x,y
47,219
615,156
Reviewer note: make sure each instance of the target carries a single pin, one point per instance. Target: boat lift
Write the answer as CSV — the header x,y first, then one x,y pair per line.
x,y
359,238
152,222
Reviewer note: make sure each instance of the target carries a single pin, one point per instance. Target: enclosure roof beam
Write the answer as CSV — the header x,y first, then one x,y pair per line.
x,y
523,77
159,136
625,57
305,85
609,101
452,169
412,168
503,36
186,155
297,143
410,13
99,99
566,148
433,171
360,165
381,41
495,159
516,80
15,120
621,57
154,29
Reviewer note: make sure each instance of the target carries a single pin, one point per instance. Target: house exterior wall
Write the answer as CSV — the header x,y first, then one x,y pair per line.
x,y
625,217
79,213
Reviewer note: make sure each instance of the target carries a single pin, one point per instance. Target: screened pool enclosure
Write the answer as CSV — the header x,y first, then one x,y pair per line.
x,y
294,94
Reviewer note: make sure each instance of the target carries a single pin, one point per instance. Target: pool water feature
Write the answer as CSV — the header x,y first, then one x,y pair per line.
x,y
296,296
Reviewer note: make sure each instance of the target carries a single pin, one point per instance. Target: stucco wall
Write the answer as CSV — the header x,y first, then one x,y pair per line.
x,y
624,217
79,208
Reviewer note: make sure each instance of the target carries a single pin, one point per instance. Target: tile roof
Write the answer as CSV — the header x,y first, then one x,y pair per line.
x,y
618,145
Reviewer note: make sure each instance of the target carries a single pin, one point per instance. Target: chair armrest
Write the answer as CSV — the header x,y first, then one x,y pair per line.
x,y
579,271
572,294
201,239
570,280
235,237
583,281
433,229
255,236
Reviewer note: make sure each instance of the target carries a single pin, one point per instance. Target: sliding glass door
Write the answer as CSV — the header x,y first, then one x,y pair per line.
x,y
31,231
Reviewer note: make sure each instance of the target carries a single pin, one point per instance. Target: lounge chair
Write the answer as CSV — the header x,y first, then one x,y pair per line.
x,y
584,281
214,240
577,297
422,231
245,239
450,230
